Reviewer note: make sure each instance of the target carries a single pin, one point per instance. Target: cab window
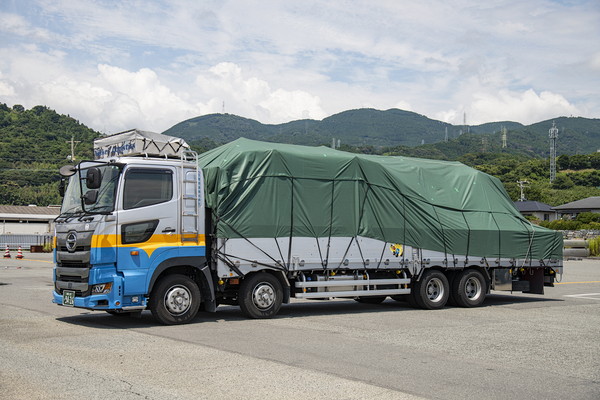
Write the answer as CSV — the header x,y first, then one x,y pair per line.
x,y
145,187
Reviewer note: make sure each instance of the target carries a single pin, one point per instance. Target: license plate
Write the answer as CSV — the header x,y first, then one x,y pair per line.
x,y
68,298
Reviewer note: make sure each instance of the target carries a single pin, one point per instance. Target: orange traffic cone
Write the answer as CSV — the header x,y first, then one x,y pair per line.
x,y
19,253
7,253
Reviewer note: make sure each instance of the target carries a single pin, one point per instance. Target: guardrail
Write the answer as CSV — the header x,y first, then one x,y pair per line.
x,y
26,241
575,248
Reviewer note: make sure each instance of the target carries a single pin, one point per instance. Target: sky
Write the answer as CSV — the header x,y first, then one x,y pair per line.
x,y
117,65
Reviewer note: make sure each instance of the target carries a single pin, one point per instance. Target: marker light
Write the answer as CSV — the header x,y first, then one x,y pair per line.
x,y
102,288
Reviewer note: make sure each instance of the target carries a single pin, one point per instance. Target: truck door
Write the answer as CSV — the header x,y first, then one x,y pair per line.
x,y
147,223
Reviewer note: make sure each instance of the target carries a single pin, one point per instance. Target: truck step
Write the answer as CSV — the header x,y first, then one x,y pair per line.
x,y
352,282
352,293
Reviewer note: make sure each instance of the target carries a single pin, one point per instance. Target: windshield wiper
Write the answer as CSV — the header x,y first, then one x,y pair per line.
x,y
97,210
68,215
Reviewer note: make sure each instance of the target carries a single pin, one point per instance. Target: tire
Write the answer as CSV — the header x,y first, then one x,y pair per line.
x,y
175,300
469,288
401,298
260,296
432,291
370,299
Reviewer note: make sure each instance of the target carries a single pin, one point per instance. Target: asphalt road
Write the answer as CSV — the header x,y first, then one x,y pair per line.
x,y
516,346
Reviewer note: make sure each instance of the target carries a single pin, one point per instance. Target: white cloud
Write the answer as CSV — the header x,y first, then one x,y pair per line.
x,y
153,66
526,107
6,88
252,97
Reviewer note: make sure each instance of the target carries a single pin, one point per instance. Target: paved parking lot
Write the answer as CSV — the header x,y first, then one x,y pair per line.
x,y
516,346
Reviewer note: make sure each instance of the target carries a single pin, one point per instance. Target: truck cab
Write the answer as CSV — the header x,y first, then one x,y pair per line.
x,y
130,234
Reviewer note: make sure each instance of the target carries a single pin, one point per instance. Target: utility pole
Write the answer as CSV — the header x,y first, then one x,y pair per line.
x,y
73,144
522,185
553,135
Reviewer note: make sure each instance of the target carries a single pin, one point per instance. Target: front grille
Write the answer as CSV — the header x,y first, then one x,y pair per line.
x,y
69,264
73,276
78,248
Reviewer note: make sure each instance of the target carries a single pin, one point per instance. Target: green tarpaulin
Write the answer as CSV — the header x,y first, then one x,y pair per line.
x,y
269,190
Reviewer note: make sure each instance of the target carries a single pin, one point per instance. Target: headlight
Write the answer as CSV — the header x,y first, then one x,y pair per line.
x,y
102,288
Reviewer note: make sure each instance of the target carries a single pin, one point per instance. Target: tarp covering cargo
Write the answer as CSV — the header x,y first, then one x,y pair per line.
x,y
269,190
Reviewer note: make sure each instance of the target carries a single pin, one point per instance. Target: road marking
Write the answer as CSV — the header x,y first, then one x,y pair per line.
x,y
570,283
46,261
585,296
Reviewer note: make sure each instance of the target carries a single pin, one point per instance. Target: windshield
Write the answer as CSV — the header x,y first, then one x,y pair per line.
x,y
105,201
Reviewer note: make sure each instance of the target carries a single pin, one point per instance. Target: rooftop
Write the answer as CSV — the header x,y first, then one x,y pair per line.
x,y
532,206
30,211
584,204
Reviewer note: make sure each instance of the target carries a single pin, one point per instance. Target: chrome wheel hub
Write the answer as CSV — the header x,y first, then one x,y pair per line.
x,y
473,288
178,300
435,290
263,296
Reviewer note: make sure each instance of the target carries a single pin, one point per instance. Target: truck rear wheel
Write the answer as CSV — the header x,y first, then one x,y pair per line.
x,y
432,291
260,296
175,300
469,288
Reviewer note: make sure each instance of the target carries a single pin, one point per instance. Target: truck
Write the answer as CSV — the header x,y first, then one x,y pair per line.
x,y
150,224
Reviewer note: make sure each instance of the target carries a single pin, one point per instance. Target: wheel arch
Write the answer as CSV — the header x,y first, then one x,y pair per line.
x,y
194,267
281,277
486,276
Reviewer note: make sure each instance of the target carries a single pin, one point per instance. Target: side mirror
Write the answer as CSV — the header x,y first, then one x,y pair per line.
x,y
90,197
67,171
61,187
93,178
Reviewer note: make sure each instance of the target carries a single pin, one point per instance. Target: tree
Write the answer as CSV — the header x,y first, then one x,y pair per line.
x,y
562,182
563,162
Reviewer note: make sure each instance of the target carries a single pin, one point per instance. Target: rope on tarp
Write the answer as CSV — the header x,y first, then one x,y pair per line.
x,y
468,233
330,224
499,237
279,264
279,268
289,260
437,216
528,254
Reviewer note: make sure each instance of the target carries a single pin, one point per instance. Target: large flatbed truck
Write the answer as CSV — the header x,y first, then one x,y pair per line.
x,y
149,224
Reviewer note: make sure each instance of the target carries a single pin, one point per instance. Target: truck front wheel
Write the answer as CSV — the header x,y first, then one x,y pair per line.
x,y
175,300
260,295
469,288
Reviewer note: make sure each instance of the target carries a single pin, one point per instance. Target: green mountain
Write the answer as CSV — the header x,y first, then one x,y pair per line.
x,y
393,128
355,127
33,145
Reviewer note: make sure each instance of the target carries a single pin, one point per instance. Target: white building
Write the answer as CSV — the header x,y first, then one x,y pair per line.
x,y
541,211
27,220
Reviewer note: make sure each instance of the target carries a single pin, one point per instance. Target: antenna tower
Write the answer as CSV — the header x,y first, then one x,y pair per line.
x,y
503,137
553,134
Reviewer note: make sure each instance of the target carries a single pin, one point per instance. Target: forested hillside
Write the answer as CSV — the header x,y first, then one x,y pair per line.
x,y
395,128
33,145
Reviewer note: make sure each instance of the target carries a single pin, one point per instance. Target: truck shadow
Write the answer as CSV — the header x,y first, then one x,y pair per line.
x,y
95,319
